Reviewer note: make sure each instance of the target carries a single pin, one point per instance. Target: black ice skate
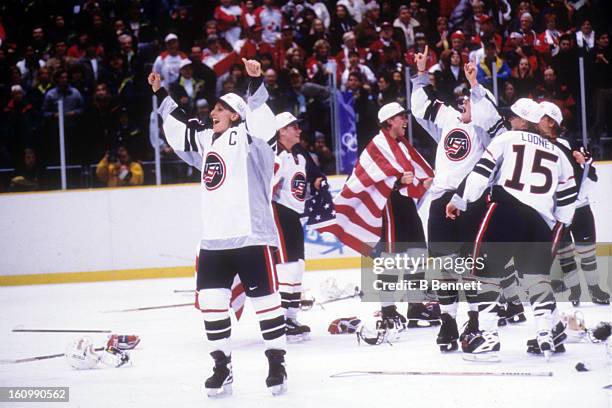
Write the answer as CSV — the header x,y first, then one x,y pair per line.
x,y
277,375
295,331
220,383
423,315
545,343
448,334
481,346
558,336
599,296
574,295
515,313
470,327
501,316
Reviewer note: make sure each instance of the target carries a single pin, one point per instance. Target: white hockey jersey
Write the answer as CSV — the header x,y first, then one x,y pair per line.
x,y
460,145
290,185
485,114
585,182
237,170
530,168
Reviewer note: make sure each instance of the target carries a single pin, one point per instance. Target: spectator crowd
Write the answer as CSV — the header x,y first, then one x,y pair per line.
x,y
95,56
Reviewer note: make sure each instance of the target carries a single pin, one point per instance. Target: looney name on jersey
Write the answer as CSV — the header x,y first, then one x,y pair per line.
x,y
537,140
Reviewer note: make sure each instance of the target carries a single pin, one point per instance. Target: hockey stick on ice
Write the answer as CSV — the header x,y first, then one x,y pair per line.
x,y
138,309
38,358
19,329
184,291
446,373
358,293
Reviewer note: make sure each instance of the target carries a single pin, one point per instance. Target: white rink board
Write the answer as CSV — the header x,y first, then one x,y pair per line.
x,y
147,227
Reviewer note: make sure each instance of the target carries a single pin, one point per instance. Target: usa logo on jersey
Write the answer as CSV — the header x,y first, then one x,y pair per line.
x,y
298,186
457,145
214,171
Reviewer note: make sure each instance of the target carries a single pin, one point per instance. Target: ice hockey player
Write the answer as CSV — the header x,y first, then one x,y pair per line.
x,y
292,182
238,231
402,229
533,194
582,231
460,146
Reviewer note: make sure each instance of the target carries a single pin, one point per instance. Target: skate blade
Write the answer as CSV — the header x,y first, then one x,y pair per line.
x,y
295,338
306,336
280,389
224,391
449,347
519,318
482,358
419,323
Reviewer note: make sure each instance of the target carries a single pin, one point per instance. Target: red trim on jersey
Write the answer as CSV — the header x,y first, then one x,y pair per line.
x,y
289,284
214,310
271,268
483,227
557,234
570,250
390,230
282,246
268,310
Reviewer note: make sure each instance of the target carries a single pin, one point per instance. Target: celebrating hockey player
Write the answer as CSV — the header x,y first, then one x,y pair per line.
x,y
460,146
238,231
533,194
375,211
291,183
582,231
402,229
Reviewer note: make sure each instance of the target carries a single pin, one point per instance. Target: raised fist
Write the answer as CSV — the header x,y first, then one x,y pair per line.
x,y
253,67
155,81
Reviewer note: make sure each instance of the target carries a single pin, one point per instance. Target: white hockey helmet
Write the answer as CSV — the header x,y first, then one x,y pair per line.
x,y
284,119
236,103
551,110
80,354
527,109
389,110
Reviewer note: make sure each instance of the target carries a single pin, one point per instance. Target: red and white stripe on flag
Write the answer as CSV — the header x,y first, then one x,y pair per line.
x,y
360,203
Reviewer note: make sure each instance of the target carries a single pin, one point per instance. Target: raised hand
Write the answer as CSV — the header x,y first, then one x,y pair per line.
x,y
421,60
253,68
471,73
155,81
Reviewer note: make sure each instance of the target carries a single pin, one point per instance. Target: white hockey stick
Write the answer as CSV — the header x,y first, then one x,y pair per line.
x,y
20,329
38,358
447,373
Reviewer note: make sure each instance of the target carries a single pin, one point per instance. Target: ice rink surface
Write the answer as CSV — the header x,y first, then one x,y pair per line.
x,y
172,361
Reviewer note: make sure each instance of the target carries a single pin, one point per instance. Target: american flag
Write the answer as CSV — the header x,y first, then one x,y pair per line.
x,y
320,207
359,206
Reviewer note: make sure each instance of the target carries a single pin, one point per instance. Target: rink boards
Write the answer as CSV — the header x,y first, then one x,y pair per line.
x,y
152,232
